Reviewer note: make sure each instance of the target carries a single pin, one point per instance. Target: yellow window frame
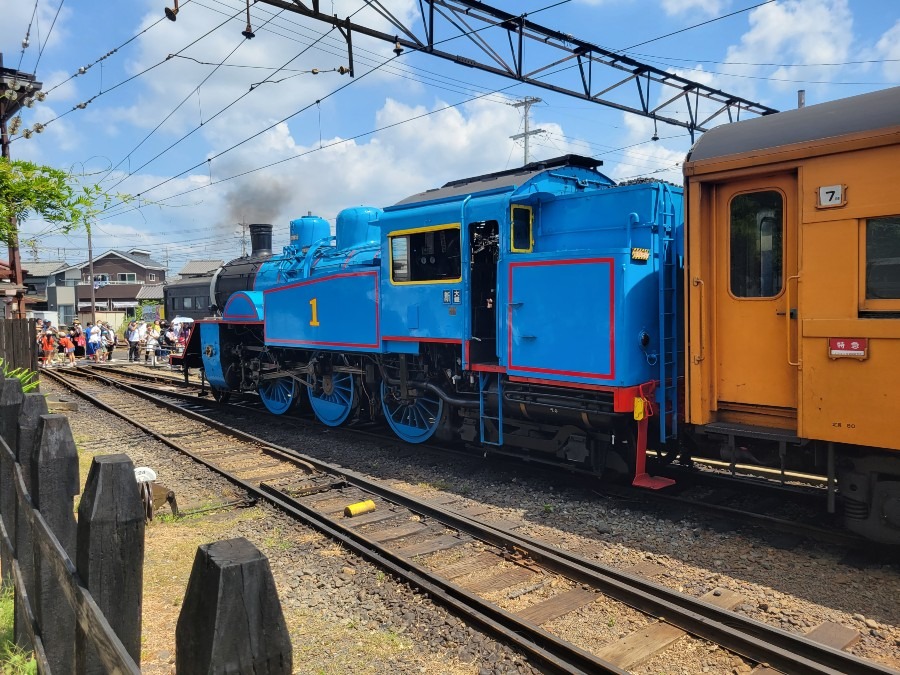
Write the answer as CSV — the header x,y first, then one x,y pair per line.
x,y
512,246
871,304
420,230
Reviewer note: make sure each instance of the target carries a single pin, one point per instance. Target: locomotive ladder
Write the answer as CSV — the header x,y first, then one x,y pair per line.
x,y
484,391
667,254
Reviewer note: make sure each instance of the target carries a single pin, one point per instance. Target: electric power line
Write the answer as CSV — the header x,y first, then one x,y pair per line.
x,y
696,25
173,111
47,38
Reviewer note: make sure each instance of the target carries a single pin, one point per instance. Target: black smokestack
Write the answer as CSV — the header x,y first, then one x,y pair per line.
x,y
260,240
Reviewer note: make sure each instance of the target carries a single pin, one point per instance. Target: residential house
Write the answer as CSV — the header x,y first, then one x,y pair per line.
x,y
43,299
118,278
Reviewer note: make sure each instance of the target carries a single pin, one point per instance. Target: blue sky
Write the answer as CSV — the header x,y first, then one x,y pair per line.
x,y
153,134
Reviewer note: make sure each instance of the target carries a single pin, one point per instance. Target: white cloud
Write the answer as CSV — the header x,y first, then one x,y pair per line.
x,y
805,32
16,17
63,87
705,7
376,170
661,159
888,47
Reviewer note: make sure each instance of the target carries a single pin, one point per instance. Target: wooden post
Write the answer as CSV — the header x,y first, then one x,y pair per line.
x,y
33,406
54,481
110,556
10,404
231,620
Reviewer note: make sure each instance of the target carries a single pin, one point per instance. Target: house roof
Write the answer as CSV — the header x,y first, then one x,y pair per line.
x,y
195,267
144,261
43,268
191,281
150,292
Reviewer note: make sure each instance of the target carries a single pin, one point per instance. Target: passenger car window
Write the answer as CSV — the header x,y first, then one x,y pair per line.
x,y
757,248
883,258
422,256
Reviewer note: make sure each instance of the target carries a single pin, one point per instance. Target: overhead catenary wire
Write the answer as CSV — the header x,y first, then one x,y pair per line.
x,y
696,25
47,37
222,110
303,109
84,104
27,35
250,138
431,77
112,51
174,110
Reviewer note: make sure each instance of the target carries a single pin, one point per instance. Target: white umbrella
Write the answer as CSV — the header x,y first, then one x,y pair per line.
x,y
182,319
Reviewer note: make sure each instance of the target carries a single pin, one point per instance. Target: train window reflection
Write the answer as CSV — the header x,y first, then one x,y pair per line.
x,y
883,258
425,256
757,235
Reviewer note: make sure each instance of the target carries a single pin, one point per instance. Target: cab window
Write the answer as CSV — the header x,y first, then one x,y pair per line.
x,y
756,238
882,260
521,221
426,255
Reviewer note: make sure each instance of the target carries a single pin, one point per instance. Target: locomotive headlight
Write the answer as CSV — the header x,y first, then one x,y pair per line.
x,y
644,338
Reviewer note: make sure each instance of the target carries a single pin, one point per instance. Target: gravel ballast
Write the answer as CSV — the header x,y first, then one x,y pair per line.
x,y
346,614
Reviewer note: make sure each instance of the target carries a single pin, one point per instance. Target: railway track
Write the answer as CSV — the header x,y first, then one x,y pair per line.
x,y
714,492
463,561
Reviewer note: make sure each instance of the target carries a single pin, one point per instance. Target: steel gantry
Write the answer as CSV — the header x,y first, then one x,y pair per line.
x,y
514,47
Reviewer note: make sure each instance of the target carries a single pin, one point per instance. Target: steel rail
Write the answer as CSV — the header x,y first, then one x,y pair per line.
x,y
551,651
748,637
821,534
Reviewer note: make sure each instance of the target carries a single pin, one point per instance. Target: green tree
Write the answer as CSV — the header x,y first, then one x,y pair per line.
x,y
60,198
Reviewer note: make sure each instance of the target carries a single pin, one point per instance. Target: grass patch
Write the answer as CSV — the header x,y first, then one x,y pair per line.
x,y
13,661
277,540
436,485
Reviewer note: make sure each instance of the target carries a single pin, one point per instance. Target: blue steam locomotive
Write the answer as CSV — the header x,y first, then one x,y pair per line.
x,y
534,311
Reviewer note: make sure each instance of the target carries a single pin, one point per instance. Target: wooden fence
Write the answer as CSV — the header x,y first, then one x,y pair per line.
x,y
78,587
18,343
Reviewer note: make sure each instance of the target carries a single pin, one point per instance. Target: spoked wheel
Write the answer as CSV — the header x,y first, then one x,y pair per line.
x,y
414,420
279,395
333,398
220,395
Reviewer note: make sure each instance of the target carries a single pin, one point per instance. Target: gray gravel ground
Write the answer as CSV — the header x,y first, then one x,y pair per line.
x,y
344,614
794,588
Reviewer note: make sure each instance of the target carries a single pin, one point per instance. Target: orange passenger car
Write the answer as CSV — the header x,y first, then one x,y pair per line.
x,y
793,297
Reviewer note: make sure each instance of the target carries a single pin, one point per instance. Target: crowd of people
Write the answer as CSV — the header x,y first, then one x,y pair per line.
x,y
97,342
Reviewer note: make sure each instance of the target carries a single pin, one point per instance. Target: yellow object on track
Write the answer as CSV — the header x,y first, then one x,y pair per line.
x,y
359,508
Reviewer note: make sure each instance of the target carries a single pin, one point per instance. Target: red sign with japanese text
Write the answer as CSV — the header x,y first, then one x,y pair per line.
x,y
854,348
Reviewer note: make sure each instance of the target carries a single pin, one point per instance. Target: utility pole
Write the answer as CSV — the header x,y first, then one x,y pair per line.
x,y
17,89
243,238
91,274
526,103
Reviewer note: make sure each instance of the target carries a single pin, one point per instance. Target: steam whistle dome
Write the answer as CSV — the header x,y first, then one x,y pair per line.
x,y
358,225
307,230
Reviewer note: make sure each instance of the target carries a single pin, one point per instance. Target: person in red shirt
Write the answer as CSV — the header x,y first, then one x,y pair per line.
x,y
68,348
47,348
